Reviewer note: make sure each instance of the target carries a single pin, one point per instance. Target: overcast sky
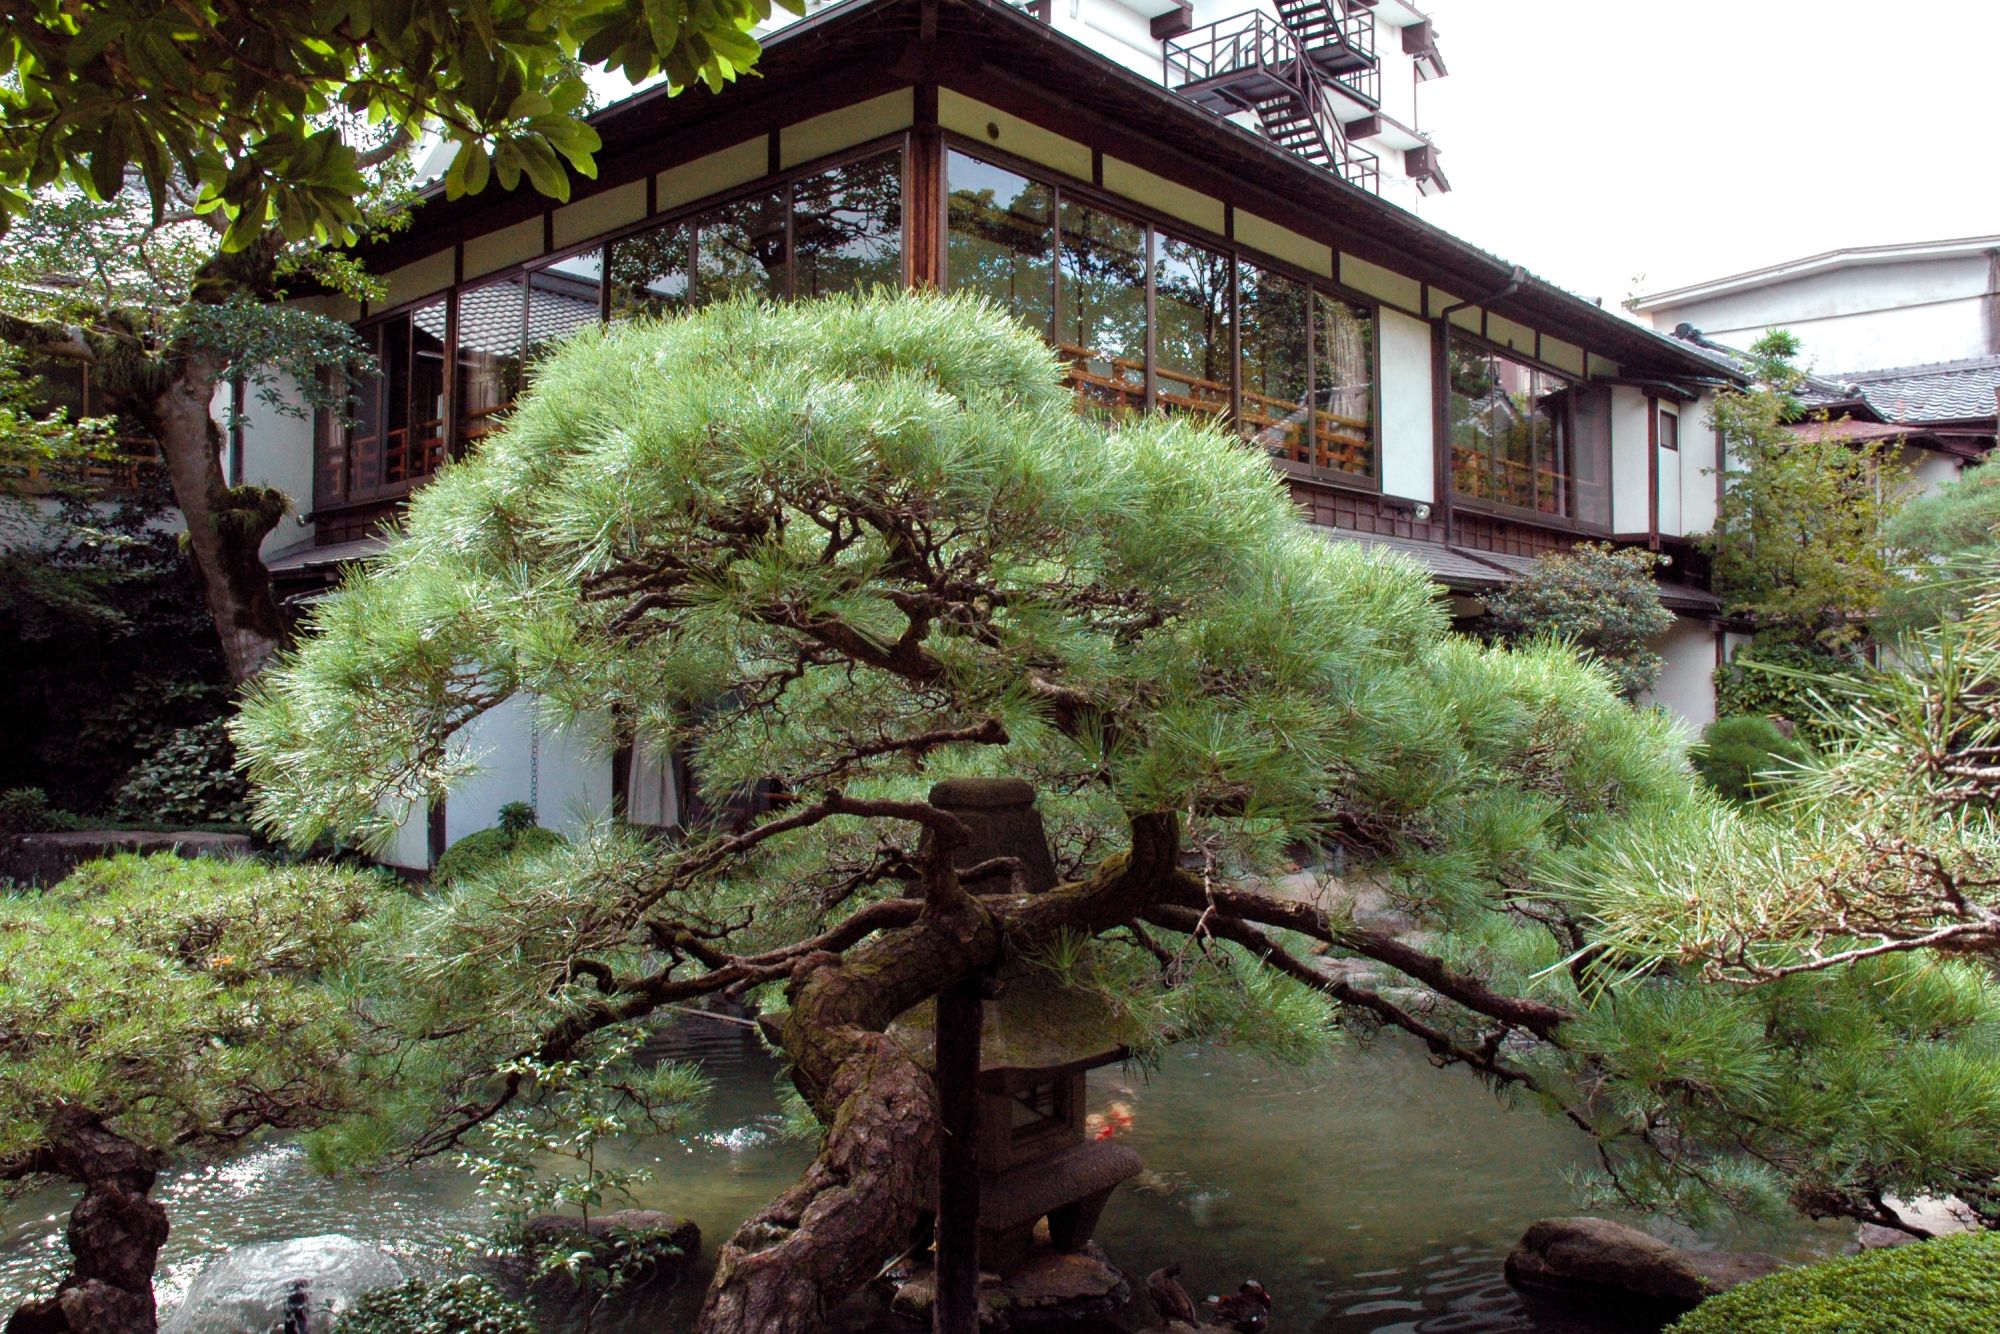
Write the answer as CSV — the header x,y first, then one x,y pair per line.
x,y
1614,146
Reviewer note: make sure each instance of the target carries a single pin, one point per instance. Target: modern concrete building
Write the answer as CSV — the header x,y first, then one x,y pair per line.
x,y
1903,340
1179,248
1893,305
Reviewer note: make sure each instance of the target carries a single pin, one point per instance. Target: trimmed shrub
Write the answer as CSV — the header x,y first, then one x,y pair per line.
x,y
467,1305
1932,1287
190,778
26,810
1741,689
517,835
1744,757
1599,598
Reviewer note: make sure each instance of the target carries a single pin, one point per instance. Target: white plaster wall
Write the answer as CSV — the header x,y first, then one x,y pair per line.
x,y
1858,318
1699,464
1628,460
1929,469
571,778
1686,687
1408,418
1670,488
277,452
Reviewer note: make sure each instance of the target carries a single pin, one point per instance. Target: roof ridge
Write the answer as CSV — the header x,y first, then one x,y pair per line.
x,y
1980,363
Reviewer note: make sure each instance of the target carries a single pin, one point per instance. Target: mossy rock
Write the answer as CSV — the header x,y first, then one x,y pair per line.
x,y
1934,1287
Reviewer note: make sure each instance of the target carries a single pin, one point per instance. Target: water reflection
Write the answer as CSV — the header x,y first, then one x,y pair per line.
x,y
1369,1192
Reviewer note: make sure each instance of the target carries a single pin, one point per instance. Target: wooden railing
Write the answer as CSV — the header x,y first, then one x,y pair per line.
x,y
1339,442
1476,475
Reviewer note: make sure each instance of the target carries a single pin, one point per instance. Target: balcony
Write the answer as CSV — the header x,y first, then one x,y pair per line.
x,y
1256,64
1337,43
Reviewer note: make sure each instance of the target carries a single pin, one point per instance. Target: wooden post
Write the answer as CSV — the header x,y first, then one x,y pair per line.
x,y
959,1018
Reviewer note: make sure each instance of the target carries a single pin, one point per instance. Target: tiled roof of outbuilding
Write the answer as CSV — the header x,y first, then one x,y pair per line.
x,y
1941,391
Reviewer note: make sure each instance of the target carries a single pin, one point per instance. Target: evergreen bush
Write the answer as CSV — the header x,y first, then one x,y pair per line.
x,y
466,1305
1935,1287
1743,688
190,778
26,810
517,835
1600,599
1744,757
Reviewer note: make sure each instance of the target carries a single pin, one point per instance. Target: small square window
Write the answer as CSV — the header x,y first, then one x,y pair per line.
x,y
1670,430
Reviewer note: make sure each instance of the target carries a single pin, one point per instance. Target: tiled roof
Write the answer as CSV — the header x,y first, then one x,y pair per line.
x,y
1942,391
1451,567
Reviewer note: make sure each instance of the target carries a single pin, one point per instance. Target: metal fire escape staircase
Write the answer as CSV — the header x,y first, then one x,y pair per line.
x,y
1286,71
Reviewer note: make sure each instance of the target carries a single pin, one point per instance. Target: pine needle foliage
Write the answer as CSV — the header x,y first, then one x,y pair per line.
x,y
855,546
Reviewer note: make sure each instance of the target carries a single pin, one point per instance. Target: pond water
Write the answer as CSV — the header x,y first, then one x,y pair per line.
x,y
1368,1191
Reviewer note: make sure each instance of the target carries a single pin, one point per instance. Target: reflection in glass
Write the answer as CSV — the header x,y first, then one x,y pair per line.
x,y
1001,240
1271,310
847,227
1344,386
1101,307
491,321
1191,343
562,298
742,250
1511,432
649,272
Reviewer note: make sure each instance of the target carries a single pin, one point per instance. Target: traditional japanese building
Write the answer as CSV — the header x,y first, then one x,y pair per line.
x,y
1181,249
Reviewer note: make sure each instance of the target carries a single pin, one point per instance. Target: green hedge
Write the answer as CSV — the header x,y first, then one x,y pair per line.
x,y
1742,689
1933,1287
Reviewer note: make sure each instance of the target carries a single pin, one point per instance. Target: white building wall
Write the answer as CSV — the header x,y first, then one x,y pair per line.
x,y
1409,427
1686,686
1929,469
1699,465
1857,318
277,452
1670,483
1628,460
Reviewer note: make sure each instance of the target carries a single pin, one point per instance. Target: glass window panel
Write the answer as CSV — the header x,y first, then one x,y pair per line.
x,y
1001,240
1592,486
1344,387
420,450
1551,422
562,299
649,272
490,322
1101,314
847,227
1473,389
1274,314
1191,342
1513,436
740,250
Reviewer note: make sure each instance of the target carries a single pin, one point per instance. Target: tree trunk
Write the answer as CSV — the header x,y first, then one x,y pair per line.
x,y
226,525
856,1206
115,1235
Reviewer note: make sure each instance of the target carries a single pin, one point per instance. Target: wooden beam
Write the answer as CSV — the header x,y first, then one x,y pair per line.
x,y
960,1015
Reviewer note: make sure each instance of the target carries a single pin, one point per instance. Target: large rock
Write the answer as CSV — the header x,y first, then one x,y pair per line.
x,y
295,1287
643,1245
1052,1289
1946,1217
1607,1263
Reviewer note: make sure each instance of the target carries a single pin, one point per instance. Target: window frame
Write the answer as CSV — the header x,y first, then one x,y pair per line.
x,y
1158,223
900,141
1578,383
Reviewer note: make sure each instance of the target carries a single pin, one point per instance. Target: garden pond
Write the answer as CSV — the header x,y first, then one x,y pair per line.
x,y
1367,1191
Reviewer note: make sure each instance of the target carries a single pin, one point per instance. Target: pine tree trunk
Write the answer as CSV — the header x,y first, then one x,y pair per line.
x,y
226,525
115,1235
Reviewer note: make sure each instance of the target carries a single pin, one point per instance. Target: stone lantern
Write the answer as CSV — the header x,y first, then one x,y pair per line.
x,y
1035,1161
